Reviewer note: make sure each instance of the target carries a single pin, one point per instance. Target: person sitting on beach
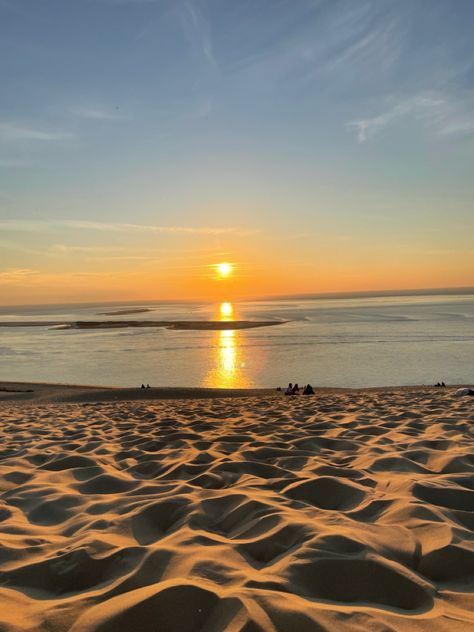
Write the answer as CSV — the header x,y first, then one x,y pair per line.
x,y
464,391
143,386
296,389
289,390
308,390
148,386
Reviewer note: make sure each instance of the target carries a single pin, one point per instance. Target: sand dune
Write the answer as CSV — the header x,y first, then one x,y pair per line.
x,y
349,510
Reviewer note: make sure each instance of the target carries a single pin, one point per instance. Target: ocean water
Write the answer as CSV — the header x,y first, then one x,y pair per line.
x,y
351,342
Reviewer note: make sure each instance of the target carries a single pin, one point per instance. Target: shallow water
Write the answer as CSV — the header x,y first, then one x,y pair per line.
x,y
330,342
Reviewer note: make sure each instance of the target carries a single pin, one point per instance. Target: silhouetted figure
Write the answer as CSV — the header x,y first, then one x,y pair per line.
x,y
308,390
464,391
289,390
143,386
148,386
279,389
437,384
296,389
443,384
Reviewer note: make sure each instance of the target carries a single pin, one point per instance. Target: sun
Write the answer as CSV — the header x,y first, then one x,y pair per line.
x,y
224,269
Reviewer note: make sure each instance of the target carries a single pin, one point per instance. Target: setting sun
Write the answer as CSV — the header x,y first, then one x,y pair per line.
x,y
224,269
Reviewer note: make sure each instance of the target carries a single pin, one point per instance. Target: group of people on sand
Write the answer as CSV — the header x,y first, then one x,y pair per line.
x,y
463,390
294,389
147,386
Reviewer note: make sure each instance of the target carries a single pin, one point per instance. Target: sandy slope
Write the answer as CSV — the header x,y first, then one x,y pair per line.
x,y
346,511
52,393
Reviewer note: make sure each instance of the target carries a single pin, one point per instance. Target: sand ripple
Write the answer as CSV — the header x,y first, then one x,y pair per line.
x,y
342,512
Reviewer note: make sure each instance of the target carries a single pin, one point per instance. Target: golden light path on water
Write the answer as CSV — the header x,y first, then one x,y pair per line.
x,y
226,311
228,370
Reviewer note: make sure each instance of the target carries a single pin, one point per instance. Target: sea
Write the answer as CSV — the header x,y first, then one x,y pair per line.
x,y
338,342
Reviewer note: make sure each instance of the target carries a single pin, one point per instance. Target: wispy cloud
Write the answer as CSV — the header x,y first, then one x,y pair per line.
x,y
11,132
197,31
119,227
202,109
65,249
332,43
195,27
440,113
362,36
48,226
96,253
439,252
121,258
97,113
127,2
16,275
462,124
104,253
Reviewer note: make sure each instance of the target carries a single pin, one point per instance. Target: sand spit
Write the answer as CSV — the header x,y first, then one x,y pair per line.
x,y
350,510
180,325
124,312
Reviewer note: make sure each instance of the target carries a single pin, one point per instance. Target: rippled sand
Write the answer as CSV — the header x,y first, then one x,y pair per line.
x,y
344,511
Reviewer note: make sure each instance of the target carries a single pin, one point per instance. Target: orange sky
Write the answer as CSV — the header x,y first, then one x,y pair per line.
x,y
72,277
319,146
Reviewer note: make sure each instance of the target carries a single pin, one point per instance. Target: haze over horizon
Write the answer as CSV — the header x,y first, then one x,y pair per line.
x,y
316,146
417,292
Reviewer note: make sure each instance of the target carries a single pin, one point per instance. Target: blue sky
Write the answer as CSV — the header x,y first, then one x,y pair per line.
x,y
338,132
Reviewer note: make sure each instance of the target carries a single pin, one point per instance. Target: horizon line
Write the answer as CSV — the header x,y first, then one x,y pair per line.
x,y
443,291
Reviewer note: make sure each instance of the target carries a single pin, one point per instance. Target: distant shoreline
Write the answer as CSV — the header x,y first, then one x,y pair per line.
x,y
442,291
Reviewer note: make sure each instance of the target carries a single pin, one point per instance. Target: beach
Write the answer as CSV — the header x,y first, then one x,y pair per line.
x,y
188,510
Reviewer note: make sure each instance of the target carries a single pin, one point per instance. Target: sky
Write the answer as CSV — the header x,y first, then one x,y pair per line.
x,y
316,145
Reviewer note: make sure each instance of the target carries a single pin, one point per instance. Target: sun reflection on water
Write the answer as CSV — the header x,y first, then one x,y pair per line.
x,y
228,370
226,311
227,351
